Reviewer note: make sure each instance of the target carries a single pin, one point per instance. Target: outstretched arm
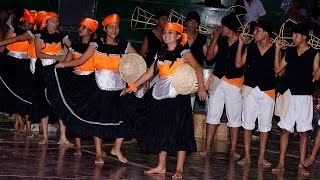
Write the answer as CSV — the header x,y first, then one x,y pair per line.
x,y
23,37
79,61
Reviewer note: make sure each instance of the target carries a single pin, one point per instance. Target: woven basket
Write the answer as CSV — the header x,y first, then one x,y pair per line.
x,y
199,121
184,79
132,67
222,133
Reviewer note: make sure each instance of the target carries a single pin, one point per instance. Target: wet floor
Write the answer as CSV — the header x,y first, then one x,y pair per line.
x,y
22,158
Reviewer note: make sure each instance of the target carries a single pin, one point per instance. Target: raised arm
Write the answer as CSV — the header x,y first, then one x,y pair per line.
x,y
212,50
241,58
279,63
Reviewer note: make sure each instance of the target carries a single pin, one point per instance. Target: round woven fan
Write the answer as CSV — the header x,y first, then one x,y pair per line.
x,y
132,67
184,80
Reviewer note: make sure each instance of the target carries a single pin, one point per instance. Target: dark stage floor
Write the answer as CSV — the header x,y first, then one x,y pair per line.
x,y
21,158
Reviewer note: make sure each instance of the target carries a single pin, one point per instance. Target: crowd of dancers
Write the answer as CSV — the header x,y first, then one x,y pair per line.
x,y
46,77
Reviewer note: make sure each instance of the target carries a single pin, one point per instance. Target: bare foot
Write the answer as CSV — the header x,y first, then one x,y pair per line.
x,y
205,154
177,175
77,153
29,135
309,162
119,155
43,141
156,170
99,161
65,142
235,155
303,171
244,161
264,163
104,154
278,170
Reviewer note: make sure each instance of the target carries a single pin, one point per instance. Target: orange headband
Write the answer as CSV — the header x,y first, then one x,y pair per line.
x,y
29,16
113,18
90,23
47,16
179,28
40,16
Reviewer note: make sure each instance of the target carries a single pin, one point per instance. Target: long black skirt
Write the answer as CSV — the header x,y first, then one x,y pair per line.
x,y
40,106
15,85
74,99
170,127
85,109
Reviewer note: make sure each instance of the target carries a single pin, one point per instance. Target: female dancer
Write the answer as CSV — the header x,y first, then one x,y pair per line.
x,y
77,88
170,128
110,108
48,43
15,75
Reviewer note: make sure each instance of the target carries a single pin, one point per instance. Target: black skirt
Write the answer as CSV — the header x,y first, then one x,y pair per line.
x,y
74,99
40,106
170,127
15,85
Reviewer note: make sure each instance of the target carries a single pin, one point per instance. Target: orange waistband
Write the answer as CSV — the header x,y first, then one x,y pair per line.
x,y
234,81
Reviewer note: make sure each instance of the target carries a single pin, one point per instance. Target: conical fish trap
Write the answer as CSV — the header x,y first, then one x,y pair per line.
x,y
184,80
132,67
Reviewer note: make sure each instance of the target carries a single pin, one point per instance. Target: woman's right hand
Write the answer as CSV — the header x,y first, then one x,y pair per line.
x,y
60,58
125,91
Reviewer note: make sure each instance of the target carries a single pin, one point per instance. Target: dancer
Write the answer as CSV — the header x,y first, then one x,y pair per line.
x,y
74,89
109,105
228,79
48,43
16,97
258,91
170,127
300,62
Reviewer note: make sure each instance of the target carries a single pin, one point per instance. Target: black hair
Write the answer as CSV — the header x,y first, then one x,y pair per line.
x,y
301,28
193,15
161,13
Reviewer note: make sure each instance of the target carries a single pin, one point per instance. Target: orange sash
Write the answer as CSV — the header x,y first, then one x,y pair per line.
x,y
166,70
102,61
87,66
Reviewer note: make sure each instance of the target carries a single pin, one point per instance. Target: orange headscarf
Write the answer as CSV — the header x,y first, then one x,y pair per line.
x,y
46,17
113,18
90,23
179,28
29,16
40,16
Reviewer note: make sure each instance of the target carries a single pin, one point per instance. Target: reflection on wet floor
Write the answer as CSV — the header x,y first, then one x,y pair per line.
x,y
22,158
